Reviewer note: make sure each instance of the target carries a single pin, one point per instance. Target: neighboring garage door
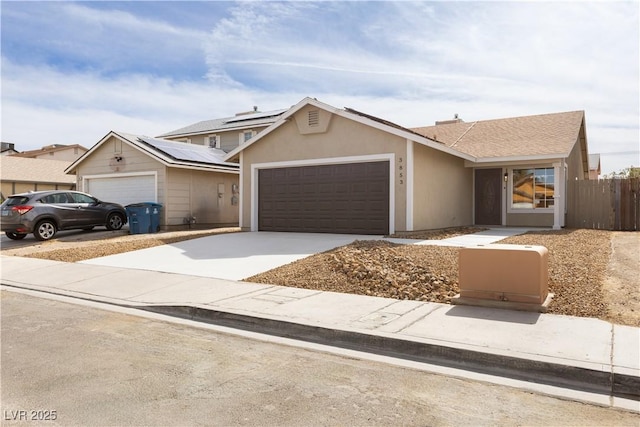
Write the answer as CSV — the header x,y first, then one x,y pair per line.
x,y
124,190
350,198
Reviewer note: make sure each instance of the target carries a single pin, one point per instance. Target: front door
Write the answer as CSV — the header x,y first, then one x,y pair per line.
x,y
488,193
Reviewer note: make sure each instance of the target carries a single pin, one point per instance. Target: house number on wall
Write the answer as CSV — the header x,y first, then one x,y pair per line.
x,y
400,171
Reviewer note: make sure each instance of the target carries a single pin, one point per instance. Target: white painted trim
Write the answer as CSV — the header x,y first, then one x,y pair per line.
x,y
256,167
510,208
409,180
505,194
557,204
123,175
240,194
501,161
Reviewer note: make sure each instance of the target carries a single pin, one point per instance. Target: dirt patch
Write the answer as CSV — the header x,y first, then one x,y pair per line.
x,y
621,286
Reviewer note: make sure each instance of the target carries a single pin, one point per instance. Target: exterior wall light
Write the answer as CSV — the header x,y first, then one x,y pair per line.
x,y
506,176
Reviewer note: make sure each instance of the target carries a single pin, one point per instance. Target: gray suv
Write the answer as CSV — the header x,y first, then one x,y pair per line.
x,y
43,213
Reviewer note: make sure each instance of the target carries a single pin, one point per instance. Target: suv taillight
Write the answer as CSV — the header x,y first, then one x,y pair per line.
x,y
22,209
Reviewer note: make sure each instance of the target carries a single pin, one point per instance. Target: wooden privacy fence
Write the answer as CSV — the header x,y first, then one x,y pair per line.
x,y
606,204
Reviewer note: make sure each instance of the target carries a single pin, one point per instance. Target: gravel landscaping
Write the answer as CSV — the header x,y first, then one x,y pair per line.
x,y
578,261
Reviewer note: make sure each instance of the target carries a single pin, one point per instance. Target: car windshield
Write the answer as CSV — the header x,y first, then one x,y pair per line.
x,y
16,201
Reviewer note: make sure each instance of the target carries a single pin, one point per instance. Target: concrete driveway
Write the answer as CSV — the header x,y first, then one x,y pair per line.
x,y
233,256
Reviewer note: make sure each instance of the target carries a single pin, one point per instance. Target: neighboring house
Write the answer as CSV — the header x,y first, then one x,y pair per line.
x,y
323,169
68,153
225,133
8,149
595,170
19,175
192,182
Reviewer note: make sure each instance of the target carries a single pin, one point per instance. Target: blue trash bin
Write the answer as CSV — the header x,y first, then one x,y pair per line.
x,y
154,211
139,218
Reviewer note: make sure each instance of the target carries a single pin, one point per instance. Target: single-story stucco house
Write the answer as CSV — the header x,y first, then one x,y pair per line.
x,y
192,182
318,168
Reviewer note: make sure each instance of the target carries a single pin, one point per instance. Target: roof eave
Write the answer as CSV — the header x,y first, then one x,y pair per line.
x,y
516,159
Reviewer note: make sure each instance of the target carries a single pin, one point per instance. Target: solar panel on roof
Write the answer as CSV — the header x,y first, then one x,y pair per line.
x,y
254,116
182,151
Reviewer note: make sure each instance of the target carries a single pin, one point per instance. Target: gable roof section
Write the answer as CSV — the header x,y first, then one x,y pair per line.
x,y
169,153
49,149
24,169
243,121
539,136
354,115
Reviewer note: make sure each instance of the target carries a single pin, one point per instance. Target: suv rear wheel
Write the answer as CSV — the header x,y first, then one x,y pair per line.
x,y
15,236
115,221
45,230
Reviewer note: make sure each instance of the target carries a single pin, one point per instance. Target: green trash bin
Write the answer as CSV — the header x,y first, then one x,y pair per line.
x,y
139,218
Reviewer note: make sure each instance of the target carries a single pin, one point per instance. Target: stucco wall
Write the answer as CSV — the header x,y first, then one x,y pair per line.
x,y
101,162
343,138
68,154
530,219
15,187
192,193
442,190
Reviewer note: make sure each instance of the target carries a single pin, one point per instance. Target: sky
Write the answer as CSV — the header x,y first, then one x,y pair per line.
x,y
73,71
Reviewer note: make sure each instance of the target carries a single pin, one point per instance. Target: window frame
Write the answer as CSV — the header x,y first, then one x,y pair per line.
x,y
217,143
533,209
241,135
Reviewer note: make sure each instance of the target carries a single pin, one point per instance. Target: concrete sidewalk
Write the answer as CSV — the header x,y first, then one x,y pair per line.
x,y
570,352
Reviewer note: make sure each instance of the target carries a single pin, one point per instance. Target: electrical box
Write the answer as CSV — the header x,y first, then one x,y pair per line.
x,y
500,272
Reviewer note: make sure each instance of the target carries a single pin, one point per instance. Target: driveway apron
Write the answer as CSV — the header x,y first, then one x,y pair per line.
x,y
233,256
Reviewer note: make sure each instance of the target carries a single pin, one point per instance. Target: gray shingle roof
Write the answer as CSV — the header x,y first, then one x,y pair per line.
x,y
227,123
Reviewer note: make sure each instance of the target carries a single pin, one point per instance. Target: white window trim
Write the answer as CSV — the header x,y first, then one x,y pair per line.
x,y
390,157
241,139
512,210
217,137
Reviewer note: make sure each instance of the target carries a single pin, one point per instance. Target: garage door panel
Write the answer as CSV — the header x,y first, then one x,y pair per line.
x,y
123,189
342,198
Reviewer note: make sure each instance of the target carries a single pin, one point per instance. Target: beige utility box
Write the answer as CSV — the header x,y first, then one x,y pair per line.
x,y
508,273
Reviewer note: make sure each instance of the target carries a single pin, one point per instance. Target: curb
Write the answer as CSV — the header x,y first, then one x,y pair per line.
x,y
575,378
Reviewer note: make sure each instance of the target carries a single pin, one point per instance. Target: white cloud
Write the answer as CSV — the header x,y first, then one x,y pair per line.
x,y
411,63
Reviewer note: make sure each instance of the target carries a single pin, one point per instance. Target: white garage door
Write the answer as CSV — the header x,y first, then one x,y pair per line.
x,y
123,189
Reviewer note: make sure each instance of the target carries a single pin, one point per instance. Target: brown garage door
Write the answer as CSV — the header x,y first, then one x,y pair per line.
x,y
350,198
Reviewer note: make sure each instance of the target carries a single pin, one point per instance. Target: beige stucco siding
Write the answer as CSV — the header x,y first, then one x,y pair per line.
x,y
343,138
442,190
192,193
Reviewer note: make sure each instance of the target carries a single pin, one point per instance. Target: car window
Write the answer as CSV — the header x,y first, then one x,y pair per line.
x,y
16,201
82,198
54,198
